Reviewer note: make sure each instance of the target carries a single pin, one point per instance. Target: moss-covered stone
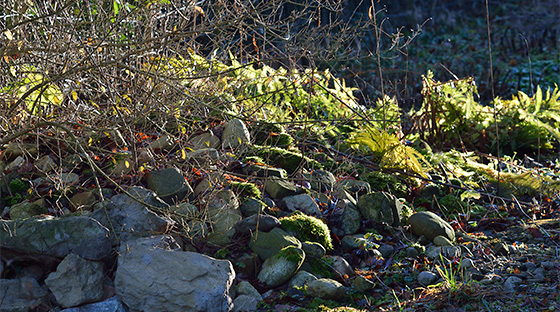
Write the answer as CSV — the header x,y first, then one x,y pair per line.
x,y
307,228
245,189
289,160
380,181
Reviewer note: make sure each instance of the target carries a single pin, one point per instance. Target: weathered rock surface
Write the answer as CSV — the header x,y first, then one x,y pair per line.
x,y
247,297
281,266
326,289
235,134
204,156
380,207
112,304
427,278
279,188
57,237
224,214
265,244
205,140
353,186
256,222
321,180
129,218
76,281
26,210
21,294
303,203
155,279
301,279
169,184
264,171
430,225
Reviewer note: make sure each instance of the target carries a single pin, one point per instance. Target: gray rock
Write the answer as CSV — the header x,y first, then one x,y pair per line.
x,y
353,186
130,218
45,164
155,279
427,278
467,263
244,303
256,222
235,134
326,289
57,237
442,241
341,267
430,225
301,279
351,242
381,207
16,149
279,188
204,156
362,284
511,283
264,171
386,250
76,281
412,252
82,200
245,288
21,294
434,252
303,203
112,304
351,220
321,180
67,179
313,250
26,210
502,249
252,206
224,214
169,184
205,140
15,164
265,244
281,266
164,142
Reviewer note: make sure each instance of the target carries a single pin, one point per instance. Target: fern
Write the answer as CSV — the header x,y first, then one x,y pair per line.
x,y
389,151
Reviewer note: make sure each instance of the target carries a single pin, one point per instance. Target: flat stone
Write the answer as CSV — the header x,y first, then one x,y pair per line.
x,y
205,140
279,188
235,134
169,184
21,294
427,278
265,244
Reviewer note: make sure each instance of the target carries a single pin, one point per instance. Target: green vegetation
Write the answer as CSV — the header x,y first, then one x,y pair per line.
x,y
308,228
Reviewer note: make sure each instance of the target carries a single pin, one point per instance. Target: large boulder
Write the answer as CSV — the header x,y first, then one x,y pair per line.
x,y
150,278
381,207
265,244
129,218
57,237
430,225
280,267
169,184
21,294
76,281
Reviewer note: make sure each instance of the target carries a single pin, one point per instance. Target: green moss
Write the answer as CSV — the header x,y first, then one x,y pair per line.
x,y
245,189
291,253
308,228
321,267
282,158
380,181
452,204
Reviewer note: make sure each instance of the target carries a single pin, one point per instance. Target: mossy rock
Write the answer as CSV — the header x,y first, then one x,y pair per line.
x,y
380,181
245,189
308,228
281,158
